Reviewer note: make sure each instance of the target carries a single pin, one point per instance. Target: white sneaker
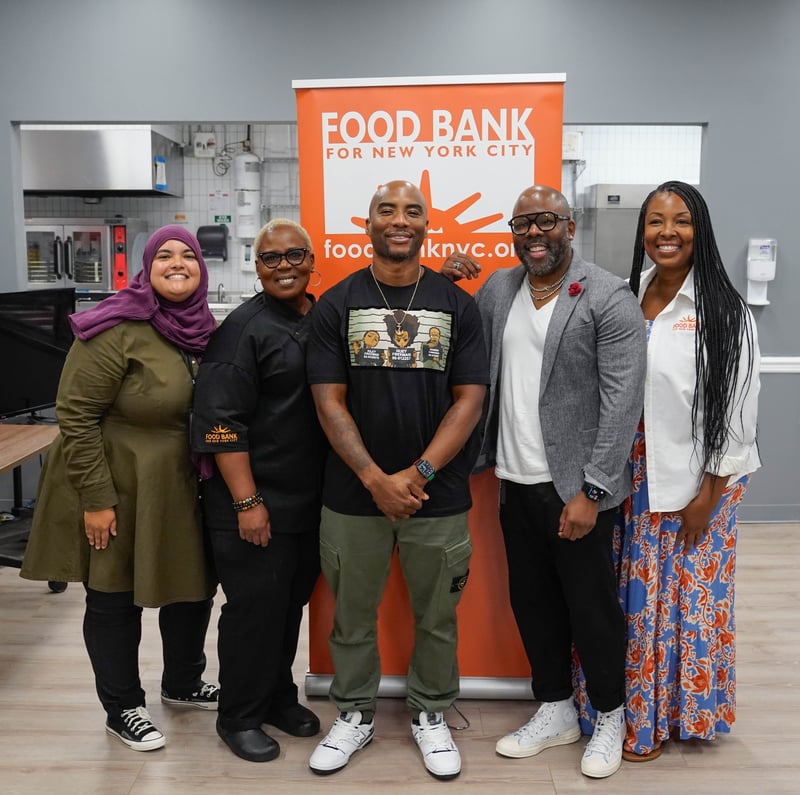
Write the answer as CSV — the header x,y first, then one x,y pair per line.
x,y
439,752
347,735
555,723
603,754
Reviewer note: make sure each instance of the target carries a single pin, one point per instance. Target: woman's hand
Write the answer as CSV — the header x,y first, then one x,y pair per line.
x,y
254,526
694,523
460,266
695,517
235,469
100,525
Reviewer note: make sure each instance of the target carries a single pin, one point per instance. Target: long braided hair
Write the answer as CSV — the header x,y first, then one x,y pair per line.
x,y
723,326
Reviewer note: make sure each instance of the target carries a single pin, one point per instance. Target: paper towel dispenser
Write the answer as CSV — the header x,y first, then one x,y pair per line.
x,y
131,160
213,241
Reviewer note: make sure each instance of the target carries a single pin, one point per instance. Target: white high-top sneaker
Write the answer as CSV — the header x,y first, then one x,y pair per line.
x,y
603,754
555,723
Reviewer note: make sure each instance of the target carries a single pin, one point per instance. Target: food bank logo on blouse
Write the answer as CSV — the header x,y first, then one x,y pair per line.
x,y
220,434
686,323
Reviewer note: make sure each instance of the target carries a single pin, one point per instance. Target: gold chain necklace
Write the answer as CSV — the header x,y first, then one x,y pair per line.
x,y
399,323
549,290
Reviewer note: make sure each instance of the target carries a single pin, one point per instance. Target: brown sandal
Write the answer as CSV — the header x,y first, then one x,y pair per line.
x,y
631,756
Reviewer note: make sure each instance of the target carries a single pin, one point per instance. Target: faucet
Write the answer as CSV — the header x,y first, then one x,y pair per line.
x,y
220,293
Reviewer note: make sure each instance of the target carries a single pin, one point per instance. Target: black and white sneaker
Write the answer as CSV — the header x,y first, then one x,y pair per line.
x,y
439,753
135,728
347,735
204,698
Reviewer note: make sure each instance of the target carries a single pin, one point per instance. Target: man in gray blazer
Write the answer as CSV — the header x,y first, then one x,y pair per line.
x,y
566,346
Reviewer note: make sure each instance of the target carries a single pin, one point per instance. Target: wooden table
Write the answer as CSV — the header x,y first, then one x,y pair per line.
x,y
18,444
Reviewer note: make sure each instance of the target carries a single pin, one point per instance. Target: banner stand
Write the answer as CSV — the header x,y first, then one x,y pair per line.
x,y
471,143
470,687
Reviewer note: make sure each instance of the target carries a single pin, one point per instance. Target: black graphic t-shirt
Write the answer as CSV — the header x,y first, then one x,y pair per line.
x,y
400,365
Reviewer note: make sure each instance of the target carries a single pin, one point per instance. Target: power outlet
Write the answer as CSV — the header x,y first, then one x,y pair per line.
x,y
205,144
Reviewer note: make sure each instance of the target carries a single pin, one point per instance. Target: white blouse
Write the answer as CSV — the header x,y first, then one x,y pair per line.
x,y
673,458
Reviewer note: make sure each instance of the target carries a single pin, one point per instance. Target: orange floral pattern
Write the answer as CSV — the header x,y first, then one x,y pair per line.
x,y
679,609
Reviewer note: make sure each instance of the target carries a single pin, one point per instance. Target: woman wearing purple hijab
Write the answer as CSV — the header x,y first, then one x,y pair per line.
x,y
117,502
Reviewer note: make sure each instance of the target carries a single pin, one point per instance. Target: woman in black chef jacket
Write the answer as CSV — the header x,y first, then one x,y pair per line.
x,y
254,412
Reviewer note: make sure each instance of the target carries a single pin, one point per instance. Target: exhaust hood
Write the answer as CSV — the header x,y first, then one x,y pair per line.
x,y
131,160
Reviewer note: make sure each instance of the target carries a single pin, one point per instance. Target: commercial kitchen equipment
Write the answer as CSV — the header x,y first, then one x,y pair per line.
x,y
84,253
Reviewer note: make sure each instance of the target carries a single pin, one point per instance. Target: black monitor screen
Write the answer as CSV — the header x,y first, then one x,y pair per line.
x,y
35,336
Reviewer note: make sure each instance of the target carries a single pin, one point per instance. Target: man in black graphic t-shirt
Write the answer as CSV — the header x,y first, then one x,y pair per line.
x,y
398,472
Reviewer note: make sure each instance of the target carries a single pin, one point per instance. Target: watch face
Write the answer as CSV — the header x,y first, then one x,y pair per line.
x,y
593,492
425,468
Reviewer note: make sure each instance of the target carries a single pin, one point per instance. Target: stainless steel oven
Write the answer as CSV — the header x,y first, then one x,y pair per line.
x,y
84,253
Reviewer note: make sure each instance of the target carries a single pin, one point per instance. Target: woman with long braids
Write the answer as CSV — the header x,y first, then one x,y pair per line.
x,y
694,451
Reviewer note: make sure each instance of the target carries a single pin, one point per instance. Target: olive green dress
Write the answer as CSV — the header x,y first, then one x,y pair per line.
x,y
123,411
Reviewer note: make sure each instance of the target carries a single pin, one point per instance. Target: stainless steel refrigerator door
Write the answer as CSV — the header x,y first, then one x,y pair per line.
x,y
611,217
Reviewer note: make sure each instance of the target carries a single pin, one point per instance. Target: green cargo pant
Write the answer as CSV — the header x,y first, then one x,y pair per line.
x,y
356,553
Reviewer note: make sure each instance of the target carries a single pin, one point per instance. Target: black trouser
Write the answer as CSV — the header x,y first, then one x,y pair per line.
x,y
112,629
563,592
259,625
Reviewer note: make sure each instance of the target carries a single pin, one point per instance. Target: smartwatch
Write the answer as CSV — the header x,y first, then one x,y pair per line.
x,y
425,468
594,493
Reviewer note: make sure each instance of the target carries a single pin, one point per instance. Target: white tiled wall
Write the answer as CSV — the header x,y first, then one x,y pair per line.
x,y
638,154
276,144
627,154
610,154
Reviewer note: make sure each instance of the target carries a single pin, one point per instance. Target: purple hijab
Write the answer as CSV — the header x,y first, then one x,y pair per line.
x,y
187,324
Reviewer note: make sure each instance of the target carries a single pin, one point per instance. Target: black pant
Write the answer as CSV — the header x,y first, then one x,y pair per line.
x,y
563,592
259,625
112,629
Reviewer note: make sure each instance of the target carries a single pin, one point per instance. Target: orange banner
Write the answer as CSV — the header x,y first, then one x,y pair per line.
x,y
472,144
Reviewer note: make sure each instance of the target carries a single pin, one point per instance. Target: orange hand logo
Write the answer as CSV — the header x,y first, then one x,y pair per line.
x,y
446,221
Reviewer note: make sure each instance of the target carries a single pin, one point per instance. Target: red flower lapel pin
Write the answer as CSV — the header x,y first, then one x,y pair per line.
x,y
575,289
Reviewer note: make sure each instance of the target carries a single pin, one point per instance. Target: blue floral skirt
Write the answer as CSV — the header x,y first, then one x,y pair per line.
x,y
680,674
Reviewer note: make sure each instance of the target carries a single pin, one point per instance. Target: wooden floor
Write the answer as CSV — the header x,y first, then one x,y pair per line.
x,y
52,738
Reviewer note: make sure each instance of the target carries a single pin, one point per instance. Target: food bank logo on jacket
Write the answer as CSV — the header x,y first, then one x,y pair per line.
x,y
220,434
686,323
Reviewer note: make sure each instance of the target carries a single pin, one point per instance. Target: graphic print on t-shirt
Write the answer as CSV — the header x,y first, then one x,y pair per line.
x,y
381,338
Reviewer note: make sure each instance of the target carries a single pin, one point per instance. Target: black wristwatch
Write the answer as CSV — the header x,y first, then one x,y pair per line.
x,y
425,468
594,493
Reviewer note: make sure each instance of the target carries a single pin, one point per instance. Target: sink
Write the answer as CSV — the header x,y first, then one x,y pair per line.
x,y
221,311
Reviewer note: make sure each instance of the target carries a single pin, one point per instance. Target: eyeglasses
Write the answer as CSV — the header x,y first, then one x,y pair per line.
x,y
271,259
520,224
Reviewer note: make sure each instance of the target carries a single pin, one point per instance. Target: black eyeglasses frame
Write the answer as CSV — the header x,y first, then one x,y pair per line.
x,y
533,218
282,256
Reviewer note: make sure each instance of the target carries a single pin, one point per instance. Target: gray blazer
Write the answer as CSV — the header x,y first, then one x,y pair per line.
x,y
592,383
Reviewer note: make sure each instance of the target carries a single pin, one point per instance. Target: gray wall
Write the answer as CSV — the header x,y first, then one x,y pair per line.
x,y
731,64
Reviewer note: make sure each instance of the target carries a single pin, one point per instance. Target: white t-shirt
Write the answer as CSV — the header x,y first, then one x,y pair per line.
x,y
520,448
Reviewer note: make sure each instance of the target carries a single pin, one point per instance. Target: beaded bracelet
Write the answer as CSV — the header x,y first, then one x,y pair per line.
x,y
248,503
